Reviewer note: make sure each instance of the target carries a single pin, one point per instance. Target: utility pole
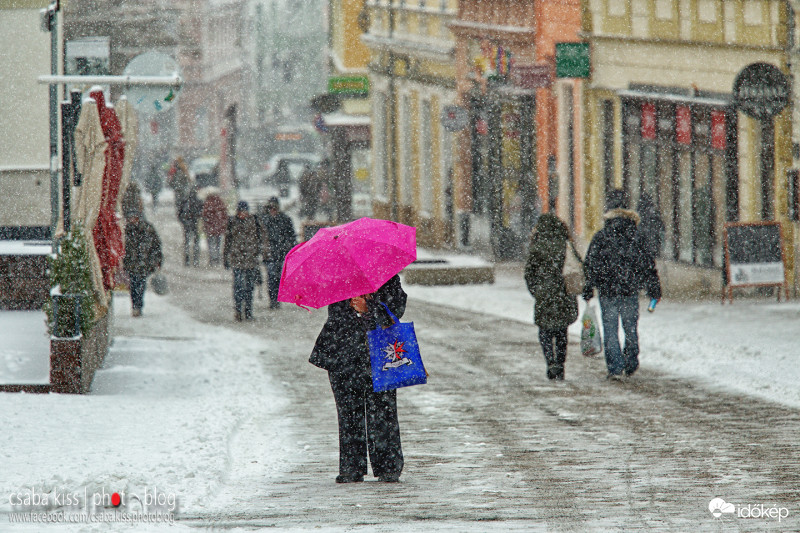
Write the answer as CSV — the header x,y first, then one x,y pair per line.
x,y
49,23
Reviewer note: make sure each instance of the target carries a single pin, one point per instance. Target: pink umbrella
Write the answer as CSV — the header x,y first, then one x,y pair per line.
x,y
345,261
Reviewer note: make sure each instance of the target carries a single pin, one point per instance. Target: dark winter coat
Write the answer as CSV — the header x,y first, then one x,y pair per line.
x,y
191,209
544,275
279,236
142,248
131,203
215,215
342,344
618,262
242,243
650,225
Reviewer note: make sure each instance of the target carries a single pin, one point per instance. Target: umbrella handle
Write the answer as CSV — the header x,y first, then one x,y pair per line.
x,y
391,315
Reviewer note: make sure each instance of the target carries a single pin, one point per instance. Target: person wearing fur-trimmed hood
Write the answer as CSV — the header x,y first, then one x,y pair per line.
x,y
618,264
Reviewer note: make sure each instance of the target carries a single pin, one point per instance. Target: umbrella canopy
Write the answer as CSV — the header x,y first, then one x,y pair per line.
x,y
342,262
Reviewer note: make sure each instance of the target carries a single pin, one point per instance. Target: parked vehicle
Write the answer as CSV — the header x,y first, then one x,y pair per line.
x,y
204,171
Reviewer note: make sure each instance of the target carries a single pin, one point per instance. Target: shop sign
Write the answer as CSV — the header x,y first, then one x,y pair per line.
x,y
572,60
761,91
494,62
454,118
349,85
683,124
532,76
648,121
718,134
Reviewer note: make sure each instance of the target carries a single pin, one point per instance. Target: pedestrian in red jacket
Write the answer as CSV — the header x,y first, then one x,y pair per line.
x,y
215,222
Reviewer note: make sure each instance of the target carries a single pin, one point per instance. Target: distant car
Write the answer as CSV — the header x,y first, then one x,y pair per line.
x,y
205,171
294,162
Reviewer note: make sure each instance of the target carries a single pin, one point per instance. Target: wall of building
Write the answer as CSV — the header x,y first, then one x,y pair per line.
x,y
25,123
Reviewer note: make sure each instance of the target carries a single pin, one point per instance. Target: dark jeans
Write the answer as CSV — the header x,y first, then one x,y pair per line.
x,y
191,245
138,284
554,347
244,280
618,309
273,281
367,424
214,242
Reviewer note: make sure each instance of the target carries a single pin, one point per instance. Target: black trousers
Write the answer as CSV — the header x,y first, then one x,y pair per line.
x,y
367,424
554,347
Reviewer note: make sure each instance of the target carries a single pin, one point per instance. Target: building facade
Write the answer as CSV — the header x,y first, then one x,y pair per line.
x,y
663,119
520,153
412,82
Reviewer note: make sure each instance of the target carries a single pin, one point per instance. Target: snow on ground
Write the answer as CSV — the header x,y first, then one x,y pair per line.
x,y
164,404
178,394
24,348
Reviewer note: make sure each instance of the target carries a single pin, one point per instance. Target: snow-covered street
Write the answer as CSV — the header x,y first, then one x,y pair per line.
x,y
236,431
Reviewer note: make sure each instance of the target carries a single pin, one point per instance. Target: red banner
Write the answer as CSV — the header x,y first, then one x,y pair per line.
x,y
648,121
683,124
718,133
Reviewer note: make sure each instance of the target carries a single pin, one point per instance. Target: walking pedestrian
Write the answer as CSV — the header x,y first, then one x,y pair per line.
x,y
131,201
191,209
309,192
279,237
215,222
650,224
142,257
619,265
554,309
367,420
154,182
180,181
241,253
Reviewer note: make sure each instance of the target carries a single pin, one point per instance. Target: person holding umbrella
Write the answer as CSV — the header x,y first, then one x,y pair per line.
x,y
337,267
367,419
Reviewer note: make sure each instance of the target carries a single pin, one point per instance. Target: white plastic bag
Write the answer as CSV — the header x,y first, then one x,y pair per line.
x,y
591,340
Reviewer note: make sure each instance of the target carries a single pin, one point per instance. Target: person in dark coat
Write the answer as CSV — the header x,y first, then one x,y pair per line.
x,y
154,182
279,238
367,419
215,223
309,192
619,265
142,257
554,309
241,253
191,210
650,225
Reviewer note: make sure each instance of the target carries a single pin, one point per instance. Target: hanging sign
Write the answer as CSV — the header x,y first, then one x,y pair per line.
x,y
761,90
648,121
683,124
572,60
454,118
718,133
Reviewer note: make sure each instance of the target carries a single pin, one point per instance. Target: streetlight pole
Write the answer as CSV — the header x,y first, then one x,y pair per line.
x,y
49,23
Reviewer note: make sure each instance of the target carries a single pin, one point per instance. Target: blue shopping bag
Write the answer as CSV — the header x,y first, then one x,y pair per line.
x,y
394,355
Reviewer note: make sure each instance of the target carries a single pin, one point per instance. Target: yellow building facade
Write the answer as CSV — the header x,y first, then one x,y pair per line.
x,y
663,119
412,80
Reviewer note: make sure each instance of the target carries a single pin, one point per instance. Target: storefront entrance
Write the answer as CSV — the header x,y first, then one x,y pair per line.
x,y
503,168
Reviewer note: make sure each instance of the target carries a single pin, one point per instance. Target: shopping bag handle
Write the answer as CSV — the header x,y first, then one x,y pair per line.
x,y
391,315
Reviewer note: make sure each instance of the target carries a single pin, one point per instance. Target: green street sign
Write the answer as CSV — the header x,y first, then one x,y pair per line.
x,y
572,60
349,85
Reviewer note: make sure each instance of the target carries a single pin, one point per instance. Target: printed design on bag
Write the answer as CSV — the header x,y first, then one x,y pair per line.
x,y
393,353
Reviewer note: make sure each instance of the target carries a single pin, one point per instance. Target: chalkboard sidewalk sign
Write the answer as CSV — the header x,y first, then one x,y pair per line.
x,y
754,257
